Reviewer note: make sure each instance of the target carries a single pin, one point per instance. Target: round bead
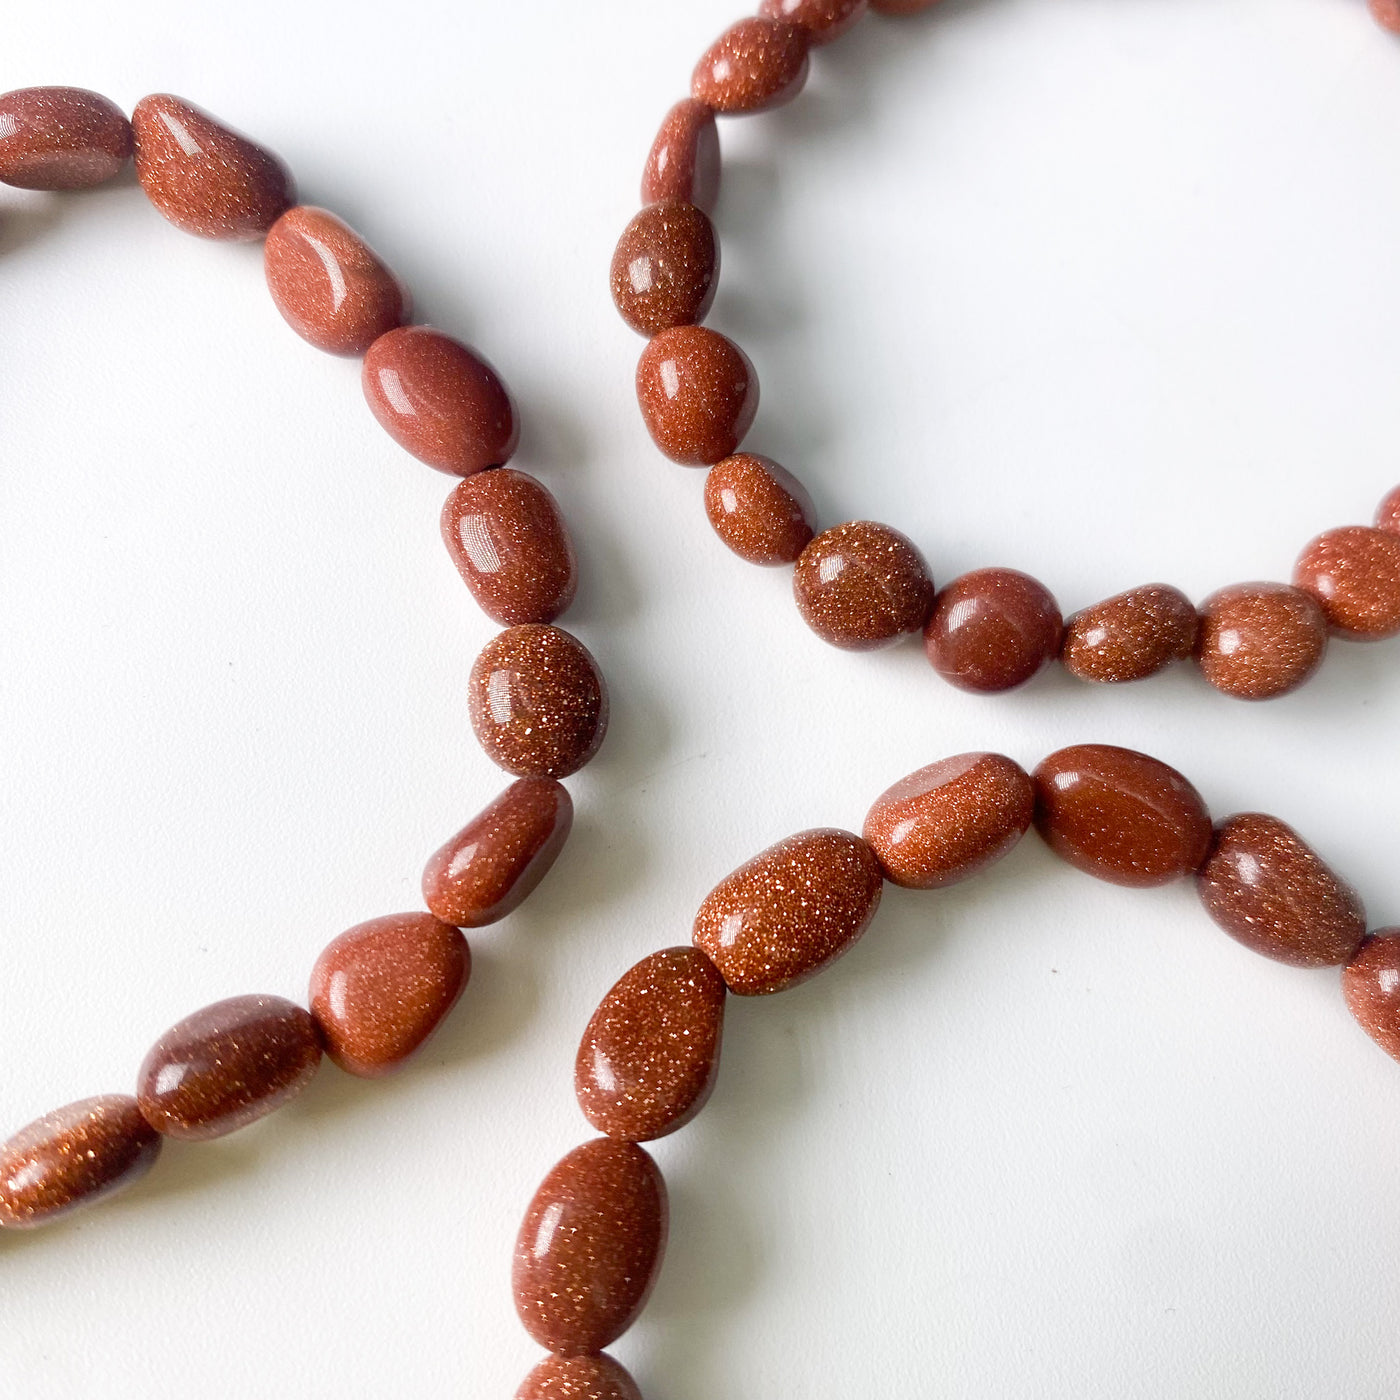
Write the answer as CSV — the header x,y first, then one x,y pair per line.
x,y
1130,636
1388,512
665,268
1258,640
578,1378
755,64
761,511
1120,815
1387,14
61,138
683,162
1354,573
992,630
1371,985
698,394
537,702
824,20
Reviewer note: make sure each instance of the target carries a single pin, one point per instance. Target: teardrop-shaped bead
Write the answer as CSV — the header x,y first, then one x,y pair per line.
x,y
684,159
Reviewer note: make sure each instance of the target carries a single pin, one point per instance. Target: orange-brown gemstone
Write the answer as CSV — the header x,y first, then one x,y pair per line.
x,y
590,1247
761,511
791,910
203,176
61,138
755,64
1388,512
992,630
1130,636
698,394
1371,985
1264,886
73,1157
383,987
1259,640
578,1378
1387,14
824,20
665,268
684,159
1354,573
490,866
949,820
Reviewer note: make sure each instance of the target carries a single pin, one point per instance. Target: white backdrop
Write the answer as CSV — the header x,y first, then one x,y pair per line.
x,y
1103,290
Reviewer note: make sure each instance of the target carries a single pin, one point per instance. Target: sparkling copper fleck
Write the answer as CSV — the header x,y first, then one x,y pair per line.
x,y
1371,985
1259,640
665,268
698,394
684,159
1354,572
755,64
992,630
61,138
824,20
596,1377
760,510
1130,636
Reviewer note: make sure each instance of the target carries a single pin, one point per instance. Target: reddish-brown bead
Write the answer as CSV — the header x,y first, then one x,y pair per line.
x,y
1259,640
992,630
1387,14
760,510
824,20
684,159
665,268
1130,636
754,65
61,138
1388,512
1354,572
698,394
578,1378
1371,985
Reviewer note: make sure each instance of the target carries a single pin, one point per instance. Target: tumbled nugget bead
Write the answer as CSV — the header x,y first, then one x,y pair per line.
x,y
1371,985
698,394
1354,572
488,868
1387,14
992,630
649,1056
1120,815
203,176
684,159
226,1066
665,267
1130,636
755,64
61,138
578,1378
791,910
537,702
440,400
1388,513
761,511
590,1247
824,20
950,820
73,1157
1259,640
1267,888
380,989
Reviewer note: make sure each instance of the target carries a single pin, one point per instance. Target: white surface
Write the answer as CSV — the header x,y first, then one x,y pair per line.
x,y
1106,291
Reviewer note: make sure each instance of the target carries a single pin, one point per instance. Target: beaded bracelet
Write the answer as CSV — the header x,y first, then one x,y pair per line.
x,y
862,585
537,701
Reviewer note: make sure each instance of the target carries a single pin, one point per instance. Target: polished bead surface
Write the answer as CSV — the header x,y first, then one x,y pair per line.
x,y
1354,572
73,1157
1120,815
1264,886
824,20
61,138
992,630
862,585
1259,640
698,394
380,989
226,1066
665,267
590,1247
684,159
1388,512
537,702
578,1378
755,64
331,287
783,916
1371,985
950,820
488,868
440,400
1387,14
1131,635
760,510
507,537
205,177
648,1059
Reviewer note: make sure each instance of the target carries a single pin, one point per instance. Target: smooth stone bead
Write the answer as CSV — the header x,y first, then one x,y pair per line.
x,y
507,537
698,394
1371,985
61,138
754,65
1264,886
824,20
1354,573
649,1056
950,820
683,162
992,630
578,1378
227,1066
380,989
590,1247
488,868
331,287
1120,815
1387,14
73,1157
761,511
1388,512
440,400
791,910
537,702
665,268
205,177
862,585
1130,636
1259,640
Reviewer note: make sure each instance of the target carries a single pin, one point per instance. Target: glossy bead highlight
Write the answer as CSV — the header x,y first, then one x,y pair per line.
x,y
684,159
698,394
665,268
1260,640
1354,573
760,510
1130,636
1371,985
754,65
824,20
992,630
61,138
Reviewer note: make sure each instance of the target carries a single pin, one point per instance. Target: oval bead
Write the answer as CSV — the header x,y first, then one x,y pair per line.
x,y
440,400
537,702
488,868
227,1066
380,989
755,64
1354,573
824,20
1265,887
791,910
950,820
61,138
648,1059
862,585
578,1378
1371,985
1130,636
507,537
1120,815
590,1247
203,176
684,159
992,630
665,268
1386,13
1388,512
762,512
1259,640
331,287
698,394
73,1157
